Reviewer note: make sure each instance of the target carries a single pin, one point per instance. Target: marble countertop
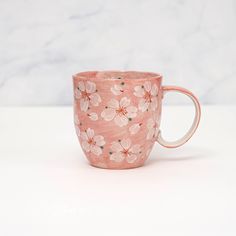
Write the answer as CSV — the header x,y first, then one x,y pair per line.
x,y
42,43
48,188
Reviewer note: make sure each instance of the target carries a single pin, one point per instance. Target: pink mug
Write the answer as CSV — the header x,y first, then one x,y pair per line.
x,y
117,116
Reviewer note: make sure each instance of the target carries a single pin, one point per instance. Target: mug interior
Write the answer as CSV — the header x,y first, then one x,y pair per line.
x,y
113,75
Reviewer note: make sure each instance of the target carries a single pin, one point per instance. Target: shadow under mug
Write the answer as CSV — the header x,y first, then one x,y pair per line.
x,y
117,116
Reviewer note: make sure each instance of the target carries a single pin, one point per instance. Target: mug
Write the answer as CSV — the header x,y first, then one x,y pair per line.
x,y
117,116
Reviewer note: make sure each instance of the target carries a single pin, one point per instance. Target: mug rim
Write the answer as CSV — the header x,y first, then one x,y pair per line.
x,y
84,75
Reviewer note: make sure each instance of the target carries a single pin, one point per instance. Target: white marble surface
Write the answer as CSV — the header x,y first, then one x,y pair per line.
x,y
42,43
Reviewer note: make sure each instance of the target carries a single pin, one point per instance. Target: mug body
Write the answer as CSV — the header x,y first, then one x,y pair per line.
x,y
117,116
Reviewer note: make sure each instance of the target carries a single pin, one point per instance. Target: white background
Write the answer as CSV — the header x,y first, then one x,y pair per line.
x,y
48,188
42,43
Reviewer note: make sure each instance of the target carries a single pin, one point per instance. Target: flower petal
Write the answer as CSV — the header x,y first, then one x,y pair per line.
x,y
133,129
131,111
90,133
93,116
108,114
148,86
99,140
150,134
84,136
125,143
76,119
96,150
84,103
117,157
135,149
116,89
86,146
131,158
143,105
90,87
77,130
116,147
95,99
154,90
81,86
139,91
121,120
77,93
113,103
124,102
154,103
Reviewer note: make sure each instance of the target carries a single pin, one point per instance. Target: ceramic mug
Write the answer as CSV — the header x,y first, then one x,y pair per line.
x,y
117,116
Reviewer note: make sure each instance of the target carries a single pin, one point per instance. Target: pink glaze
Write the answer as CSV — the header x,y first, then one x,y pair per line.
x,y
117,116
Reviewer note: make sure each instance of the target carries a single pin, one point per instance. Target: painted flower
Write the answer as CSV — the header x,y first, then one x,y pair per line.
x,y
120,111
91,142
124,150
77,123
76,119
148,95
87,93
153,128
92,116
117,89
134,129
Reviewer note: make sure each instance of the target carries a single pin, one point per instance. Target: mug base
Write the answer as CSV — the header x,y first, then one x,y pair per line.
x,y
121,167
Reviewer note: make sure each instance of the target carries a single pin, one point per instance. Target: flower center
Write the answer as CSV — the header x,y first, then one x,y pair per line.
x,y
121,111
126,152
91,141
85,95
147,96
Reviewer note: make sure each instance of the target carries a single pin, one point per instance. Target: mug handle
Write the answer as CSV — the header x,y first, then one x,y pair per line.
x,y
191,131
